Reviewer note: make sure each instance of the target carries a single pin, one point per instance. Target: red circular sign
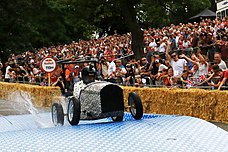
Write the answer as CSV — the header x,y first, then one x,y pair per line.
x,y
48,64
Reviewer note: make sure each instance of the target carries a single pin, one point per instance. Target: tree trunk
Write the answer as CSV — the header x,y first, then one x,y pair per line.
x,y
129,14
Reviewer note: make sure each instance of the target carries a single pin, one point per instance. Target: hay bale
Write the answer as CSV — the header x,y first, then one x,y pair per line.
x,y
204,104
41,96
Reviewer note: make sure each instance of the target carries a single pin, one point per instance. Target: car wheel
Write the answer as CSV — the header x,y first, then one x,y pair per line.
x,y
135,105
57,114
117,118
74,111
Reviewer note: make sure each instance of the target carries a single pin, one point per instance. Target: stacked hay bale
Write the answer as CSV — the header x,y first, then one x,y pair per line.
x,y
208,105
42,96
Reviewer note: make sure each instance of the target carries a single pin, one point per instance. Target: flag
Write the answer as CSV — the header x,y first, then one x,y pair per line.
x,y
201,78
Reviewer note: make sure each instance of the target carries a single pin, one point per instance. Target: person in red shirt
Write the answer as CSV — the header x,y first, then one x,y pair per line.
x,y
223,76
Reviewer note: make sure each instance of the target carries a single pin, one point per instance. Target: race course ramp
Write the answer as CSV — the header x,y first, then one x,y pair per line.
x,y
154,133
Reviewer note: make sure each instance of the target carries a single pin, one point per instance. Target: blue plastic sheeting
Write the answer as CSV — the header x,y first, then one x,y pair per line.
x,y
155,133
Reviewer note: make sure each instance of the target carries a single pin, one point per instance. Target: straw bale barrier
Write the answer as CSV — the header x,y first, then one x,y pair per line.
x,y
41,96
209,105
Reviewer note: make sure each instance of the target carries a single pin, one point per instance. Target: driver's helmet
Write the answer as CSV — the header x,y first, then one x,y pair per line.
x,y
88,75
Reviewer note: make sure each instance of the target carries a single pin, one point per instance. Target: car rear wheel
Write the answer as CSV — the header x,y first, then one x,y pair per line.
x,y
74,111
117,118
57,114
135,104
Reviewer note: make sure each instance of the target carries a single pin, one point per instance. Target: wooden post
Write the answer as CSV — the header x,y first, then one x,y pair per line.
x,y
49,79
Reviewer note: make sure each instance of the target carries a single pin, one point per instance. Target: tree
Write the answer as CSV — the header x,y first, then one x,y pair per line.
x,y
28,24
25,24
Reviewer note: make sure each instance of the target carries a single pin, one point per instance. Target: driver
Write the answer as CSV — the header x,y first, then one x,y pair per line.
x,y
88,76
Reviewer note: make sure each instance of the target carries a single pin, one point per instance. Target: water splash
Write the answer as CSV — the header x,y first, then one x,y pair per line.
x,y
22,103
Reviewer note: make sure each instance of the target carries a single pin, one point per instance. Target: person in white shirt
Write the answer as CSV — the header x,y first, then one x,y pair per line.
x,y
152,44
7,74
111,70
203,65
186,43
218,60
178,65
160,66
162,47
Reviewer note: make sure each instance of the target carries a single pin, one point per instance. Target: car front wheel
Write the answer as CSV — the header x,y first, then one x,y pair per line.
x,y
74,111
57,114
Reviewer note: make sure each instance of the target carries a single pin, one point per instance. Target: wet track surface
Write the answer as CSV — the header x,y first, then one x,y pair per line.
x,y
12,108
21,130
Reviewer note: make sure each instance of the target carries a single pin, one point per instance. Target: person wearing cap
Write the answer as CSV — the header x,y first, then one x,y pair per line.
x,y
76,71
160,66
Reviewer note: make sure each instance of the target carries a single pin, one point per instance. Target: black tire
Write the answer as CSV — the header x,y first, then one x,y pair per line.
x,y
57,114
117,118
135,104
73,111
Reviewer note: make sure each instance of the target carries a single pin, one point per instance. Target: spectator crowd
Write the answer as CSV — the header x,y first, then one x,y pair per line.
x,y
184,55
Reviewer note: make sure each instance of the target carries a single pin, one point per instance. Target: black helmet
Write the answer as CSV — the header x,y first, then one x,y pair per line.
x,y
88,75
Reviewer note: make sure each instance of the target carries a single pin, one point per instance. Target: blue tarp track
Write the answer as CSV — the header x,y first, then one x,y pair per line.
x,y
154,133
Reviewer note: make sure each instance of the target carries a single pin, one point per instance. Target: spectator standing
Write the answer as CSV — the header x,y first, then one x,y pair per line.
x,y
162,47
195,41
120,71
152,44
173,42
1,72
60,84
103,68
111,70
194,71
203,65
186,45
7,73
218,60
177,64
224,48
145,70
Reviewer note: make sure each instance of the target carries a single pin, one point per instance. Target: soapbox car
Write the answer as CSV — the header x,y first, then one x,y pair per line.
x,y
99,99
